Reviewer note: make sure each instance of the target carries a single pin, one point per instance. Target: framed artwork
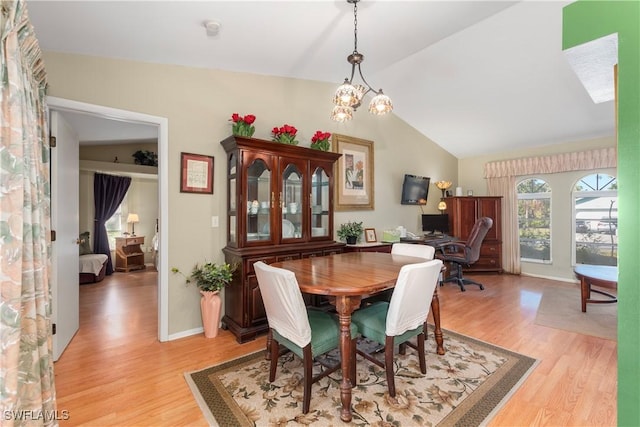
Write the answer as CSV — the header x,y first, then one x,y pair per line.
x,y
354,173
370,235
196,173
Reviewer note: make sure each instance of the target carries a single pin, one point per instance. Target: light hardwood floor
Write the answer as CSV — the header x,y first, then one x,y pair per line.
x,y
116,373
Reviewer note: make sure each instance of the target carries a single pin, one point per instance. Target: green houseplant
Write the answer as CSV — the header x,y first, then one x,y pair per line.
x,y
145,157
350,231
210,278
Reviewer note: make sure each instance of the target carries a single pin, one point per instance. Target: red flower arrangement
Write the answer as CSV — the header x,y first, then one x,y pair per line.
x,y
320,141
285,134
242,126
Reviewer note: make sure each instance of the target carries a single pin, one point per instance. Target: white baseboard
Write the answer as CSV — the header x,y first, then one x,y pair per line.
x,y
559,279
186,333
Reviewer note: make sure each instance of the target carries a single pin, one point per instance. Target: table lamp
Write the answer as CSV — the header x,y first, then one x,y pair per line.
x,y
132,219
443,186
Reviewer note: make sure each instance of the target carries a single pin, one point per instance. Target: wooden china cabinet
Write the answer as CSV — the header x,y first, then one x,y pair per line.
x,y
279,207
463,213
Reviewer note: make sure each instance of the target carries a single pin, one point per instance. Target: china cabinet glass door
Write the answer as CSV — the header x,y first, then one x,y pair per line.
x,y
258,201
319,203
292,202
233,203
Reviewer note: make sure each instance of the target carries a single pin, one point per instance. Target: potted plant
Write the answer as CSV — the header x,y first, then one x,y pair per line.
x,y
350,231
210,278
145,157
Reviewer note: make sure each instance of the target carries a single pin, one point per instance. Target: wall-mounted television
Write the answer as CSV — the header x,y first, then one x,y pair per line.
x,y
415,190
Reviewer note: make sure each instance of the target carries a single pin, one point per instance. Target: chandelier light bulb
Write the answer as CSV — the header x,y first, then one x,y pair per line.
x,y
346,95
380,104
341,113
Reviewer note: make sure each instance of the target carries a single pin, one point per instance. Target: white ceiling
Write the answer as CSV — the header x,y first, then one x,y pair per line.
x,y
476,77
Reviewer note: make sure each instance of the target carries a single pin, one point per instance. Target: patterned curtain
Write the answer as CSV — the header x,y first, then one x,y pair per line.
x,y
26,362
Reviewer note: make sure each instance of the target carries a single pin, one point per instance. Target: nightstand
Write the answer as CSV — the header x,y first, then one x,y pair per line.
x,y
129,255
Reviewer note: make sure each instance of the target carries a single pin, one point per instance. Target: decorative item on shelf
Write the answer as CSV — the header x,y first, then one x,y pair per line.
x,y
243,126
133,219
390,236
320,141
210,278
349,96
255,206
285,134
370,235
443,186
350,232
144,157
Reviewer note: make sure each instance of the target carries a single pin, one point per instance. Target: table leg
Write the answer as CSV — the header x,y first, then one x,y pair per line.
x,y
345,306
585,292
435,310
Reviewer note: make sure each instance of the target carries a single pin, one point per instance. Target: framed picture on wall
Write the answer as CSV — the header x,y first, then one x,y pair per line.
x,y
354,173
196,173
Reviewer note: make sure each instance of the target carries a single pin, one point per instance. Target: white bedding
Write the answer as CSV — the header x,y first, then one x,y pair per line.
x,y
92,263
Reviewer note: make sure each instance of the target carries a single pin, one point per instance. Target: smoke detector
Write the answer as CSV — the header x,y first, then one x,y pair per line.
x,y
212,27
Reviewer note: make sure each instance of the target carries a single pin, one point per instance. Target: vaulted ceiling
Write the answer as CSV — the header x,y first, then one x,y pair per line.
x,y
476,77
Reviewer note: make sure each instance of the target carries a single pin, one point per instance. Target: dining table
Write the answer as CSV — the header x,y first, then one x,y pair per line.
x,y
345,279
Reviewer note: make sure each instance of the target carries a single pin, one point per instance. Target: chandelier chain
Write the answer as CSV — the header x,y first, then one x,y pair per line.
x,y
355,27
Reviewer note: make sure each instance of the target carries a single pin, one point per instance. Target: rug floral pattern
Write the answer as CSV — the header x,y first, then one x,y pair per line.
x,y
467,367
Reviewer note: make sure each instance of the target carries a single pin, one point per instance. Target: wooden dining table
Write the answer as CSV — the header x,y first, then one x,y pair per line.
x,y
346,279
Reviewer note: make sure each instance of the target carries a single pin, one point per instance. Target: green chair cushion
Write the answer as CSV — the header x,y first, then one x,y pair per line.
x,y
325,334
372,320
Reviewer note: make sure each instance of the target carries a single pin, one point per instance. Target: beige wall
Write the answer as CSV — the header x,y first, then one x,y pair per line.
x,y
198,104
471,176
120,152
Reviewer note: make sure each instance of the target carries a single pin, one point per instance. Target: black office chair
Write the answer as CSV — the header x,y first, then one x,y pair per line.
x,y
459,254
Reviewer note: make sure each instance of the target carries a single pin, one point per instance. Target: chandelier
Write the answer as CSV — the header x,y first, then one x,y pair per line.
x,y
349,96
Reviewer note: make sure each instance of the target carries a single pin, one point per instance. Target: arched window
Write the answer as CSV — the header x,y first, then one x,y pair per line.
x,y
534,219
595,215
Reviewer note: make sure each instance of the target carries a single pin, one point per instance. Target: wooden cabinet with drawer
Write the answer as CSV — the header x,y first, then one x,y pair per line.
x,y
279,207
463,213
129,255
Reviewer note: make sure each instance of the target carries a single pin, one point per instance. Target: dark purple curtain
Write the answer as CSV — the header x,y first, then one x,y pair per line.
x,y
108,190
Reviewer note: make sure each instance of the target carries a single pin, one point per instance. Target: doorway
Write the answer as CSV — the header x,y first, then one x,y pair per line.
x,y
161,124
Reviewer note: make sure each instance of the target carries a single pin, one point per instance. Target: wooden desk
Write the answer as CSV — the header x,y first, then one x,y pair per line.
x,y
347,278
597,275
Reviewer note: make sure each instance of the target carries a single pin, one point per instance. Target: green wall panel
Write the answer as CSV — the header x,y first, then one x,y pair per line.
x,y
584,21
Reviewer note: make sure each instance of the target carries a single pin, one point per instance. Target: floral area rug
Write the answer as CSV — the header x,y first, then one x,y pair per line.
x,y
465,387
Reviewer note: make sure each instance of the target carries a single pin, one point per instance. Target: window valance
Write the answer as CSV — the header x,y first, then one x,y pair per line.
x,y
565,162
